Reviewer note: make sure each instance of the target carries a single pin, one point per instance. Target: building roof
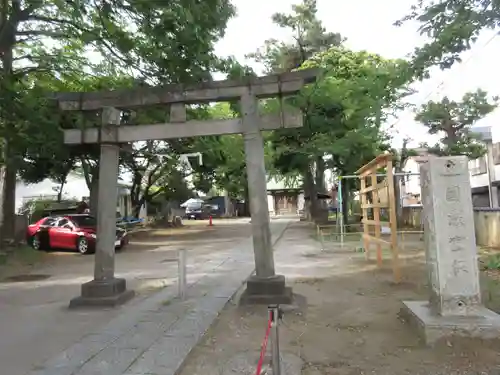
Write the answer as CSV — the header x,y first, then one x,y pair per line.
x,y
284,184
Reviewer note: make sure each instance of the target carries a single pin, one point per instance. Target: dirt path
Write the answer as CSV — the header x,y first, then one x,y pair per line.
x,y
350,323
34,321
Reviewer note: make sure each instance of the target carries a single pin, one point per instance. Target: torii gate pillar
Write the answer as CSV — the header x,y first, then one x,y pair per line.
x,y
105,289
265,287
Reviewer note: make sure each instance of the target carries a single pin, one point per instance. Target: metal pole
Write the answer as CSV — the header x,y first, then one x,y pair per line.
x,y
490,170
181,263
340,212
275,343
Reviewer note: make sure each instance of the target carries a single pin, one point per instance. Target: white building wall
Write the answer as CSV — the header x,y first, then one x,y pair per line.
x,y
75,187
301,202
479,180
411,186
476,180
270,203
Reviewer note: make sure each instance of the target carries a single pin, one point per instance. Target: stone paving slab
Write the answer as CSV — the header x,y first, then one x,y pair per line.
x,y
155,336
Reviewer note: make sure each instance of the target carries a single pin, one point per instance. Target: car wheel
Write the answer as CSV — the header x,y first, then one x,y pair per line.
x,y
82,245
36,242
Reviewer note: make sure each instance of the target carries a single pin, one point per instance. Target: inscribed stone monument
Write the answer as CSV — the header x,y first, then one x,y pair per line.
x,y
454,305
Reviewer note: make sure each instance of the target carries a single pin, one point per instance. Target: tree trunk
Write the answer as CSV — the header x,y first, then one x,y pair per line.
x,y
8,196
397,201
345,201
135,193
60,191
311,192
91,175
138,205
246,205
320,174
136,210
94,193
9,167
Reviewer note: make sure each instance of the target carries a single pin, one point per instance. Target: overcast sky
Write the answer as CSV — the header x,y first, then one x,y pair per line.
x,y
367,25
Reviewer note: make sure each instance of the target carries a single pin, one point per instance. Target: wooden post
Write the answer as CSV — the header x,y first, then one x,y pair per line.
x,y
376,215
370,170
364,207
393,222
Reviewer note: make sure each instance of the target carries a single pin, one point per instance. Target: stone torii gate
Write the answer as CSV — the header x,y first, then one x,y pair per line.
x,y
265,287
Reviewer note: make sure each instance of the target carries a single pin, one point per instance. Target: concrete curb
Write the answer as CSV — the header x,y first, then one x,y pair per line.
x,y
156,335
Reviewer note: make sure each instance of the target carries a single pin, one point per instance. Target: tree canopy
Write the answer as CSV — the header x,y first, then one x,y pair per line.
x,y
454,120
452,27
343,110
79,45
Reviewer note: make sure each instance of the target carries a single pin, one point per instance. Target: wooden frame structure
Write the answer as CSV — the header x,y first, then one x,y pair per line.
x,y
370,199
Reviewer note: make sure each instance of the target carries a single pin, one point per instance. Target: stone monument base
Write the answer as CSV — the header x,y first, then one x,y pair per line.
x,y
108,293
267,291
485,324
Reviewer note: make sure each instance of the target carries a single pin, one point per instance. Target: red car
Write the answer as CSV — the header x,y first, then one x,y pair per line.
x,y
72,232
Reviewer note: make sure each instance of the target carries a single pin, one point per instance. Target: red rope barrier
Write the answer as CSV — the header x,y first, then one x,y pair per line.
x,y
264,344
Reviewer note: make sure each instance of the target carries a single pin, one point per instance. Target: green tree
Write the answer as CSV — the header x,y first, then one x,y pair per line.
x,y
153,39
343,113
310,37
223,158
454,120
224,165
343,109
453,26
309,34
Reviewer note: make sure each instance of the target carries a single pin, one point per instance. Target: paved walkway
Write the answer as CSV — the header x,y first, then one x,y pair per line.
x,y
32,311
154,337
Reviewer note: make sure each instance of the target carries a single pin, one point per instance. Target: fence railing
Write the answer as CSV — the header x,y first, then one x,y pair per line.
x,y
486,223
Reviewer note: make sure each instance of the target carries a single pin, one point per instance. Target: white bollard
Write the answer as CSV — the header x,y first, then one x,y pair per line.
x,y
181,263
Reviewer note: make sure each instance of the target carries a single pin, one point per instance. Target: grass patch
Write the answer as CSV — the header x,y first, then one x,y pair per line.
x,y
492,262
22,256
3,259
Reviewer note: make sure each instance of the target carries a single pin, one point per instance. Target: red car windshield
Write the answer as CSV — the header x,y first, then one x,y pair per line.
x,y
84,221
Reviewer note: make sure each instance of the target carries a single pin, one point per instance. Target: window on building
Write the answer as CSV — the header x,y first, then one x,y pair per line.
x,y
477,166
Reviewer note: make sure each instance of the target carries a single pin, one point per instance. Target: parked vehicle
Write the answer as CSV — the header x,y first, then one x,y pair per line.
x,y
198,211
71,232
195,211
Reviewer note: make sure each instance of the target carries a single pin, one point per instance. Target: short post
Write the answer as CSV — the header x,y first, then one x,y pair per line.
x,y
340,212
181,263
274,310
210,221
